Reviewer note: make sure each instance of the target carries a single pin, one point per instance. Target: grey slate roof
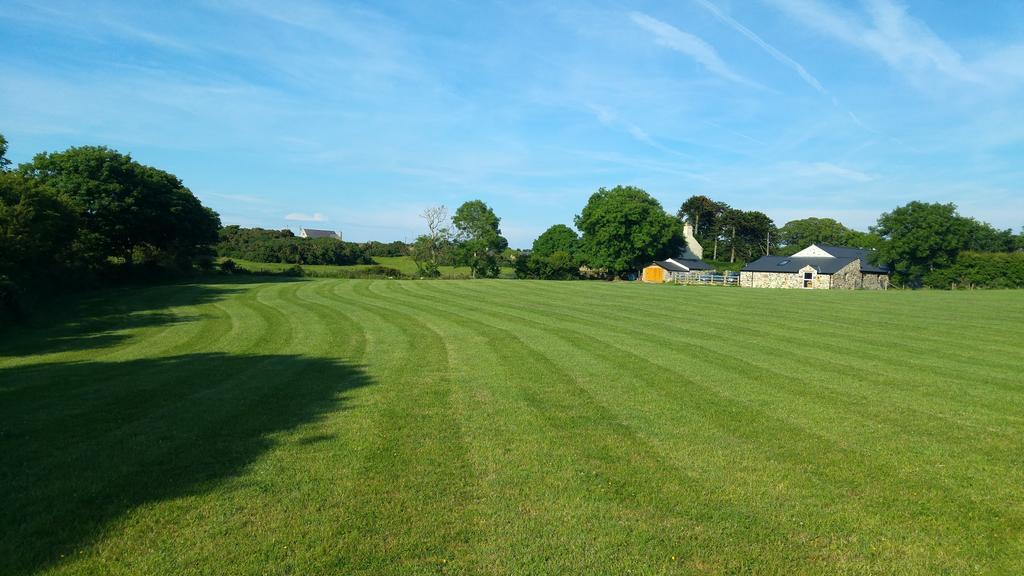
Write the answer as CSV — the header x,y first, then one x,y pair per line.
x,y
670,266
313,233
863,254
842,256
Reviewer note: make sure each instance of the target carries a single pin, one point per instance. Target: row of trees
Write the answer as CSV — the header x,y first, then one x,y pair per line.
x,y
722,229
91,214
262,245
922,242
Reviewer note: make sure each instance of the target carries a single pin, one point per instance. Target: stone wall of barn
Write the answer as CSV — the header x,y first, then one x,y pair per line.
x,y
770,280
875,282
848,277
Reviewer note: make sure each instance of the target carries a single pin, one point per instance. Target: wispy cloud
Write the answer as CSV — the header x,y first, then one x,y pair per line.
x,y
774,52
829,170
902,41
300,217
675,39
609,118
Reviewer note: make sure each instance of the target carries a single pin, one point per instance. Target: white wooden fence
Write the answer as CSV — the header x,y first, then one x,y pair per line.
x,y
709,278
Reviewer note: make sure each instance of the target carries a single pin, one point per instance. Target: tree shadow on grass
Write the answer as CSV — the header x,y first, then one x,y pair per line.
x,y
82,444
101,319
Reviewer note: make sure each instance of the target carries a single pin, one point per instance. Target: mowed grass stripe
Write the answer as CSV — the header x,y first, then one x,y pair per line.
x,y
980,450
872,457
813,354
577,407
408,510
513,427
271,501
544,417
709,503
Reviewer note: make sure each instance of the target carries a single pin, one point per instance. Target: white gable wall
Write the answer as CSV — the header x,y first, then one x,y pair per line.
x,y
693,249
812,251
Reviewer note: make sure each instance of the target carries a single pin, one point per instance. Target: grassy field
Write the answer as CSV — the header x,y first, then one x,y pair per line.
x,y
403,264
513,427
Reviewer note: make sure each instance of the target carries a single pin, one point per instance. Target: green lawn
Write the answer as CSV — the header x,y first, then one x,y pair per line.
x,y
403,264
513,427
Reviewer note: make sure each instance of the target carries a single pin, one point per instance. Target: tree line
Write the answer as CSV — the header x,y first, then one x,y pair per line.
x,y
262,245
624,228
91,215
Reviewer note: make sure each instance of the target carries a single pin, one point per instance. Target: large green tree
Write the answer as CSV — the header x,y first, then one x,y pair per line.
x,y
624,228
798,234
920,237
558,238
126,209
703,213
748,235
478,238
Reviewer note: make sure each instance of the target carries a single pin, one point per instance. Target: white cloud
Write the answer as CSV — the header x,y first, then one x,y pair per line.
x,y
300,217
774,52
675,39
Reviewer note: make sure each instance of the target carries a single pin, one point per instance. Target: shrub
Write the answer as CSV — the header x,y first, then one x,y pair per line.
x,y
980,270
228,266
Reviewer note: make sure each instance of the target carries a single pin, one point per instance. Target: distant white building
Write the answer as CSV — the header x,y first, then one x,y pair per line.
x,y
311,233
693,250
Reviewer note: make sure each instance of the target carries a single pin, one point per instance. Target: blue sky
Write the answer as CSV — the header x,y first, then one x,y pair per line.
x,y
356,116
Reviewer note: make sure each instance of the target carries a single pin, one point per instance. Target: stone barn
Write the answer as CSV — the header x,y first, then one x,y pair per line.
x,y
817,267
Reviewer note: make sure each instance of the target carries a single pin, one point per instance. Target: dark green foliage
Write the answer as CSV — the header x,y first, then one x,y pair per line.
x,y
624,228
559,265
261,245
228,266
126,210
558,238
980,270
796,235
387,250
920,238
747,235
478,238
37,236
703,213
983,237
91,215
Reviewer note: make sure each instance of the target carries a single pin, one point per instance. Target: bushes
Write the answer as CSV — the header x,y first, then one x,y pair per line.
x,y
558,266
261,245
386,250
980,270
